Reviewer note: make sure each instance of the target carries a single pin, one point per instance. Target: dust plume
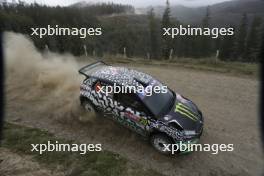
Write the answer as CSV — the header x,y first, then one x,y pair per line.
x,y
49,81
45,87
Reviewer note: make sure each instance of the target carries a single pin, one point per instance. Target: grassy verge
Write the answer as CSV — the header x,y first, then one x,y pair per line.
x,y
19,139
206,64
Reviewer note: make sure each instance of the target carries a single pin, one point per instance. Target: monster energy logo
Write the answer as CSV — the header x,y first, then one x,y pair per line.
x,y
186,111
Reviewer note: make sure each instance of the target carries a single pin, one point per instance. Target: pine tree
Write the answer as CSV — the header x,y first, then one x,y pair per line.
x,y
240,45
154,44
166,23
261,55
206,20
206,40
254,41
226,48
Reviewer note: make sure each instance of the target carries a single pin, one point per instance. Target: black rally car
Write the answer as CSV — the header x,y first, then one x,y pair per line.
x,y
164,118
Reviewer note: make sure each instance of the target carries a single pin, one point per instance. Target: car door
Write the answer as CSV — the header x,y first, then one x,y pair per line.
x,y
134,114
105,101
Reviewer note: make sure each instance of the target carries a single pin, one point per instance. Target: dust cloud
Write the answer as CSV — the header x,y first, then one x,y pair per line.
x,y
47,80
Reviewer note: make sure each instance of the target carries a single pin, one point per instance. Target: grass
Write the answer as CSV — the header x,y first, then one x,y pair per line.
x,y
18,139
206,64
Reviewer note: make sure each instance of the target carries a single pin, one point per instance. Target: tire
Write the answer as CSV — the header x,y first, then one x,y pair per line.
x,y
90,110
158,141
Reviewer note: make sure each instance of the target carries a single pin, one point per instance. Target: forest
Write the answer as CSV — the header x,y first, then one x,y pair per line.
x,y
131,35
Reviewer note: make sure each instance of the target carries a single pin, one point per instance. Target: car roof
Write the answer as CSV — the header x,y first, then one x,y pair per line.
x,y
122,76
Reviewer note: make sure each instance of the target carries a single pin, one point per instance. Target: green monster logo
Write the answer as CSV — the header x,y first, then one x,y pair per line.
x,y
186,111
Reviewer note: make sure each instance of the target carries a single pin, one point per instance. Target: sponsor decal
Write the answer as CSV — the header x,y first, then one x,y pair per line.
x,y
185,111
143,121
98,87
132,116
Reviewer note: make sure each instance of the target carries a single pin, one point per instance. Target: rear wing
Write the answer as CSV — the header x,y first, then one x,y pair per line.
x,y
88,69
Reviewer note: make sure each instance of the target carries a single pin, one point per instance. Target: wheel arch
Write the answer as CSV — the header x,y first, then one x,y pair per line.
x,y
83,99
157,132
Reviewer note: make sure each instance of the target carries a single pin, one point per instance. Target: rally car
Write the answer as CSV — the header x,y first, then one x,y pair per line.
x,y
163,118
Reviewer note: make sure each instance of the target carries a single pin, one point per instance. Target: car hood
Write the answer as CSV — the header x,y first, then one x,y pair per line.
x,y
185,113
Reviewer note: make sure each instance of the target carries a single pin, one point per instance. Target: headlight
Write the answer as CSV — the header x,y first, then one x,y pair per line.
x,y
188,133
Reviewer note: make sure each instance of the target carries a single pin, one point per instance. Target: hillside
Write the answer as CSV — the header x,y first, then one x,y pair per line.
x,y
226,13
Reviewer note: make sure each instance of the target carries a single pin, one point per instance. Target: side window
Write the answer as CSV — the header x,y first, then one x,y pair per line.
x,y
126,99
130,100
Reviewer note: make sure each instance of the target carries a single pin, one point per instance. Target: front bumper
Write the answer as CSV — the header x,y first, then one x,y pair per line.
x,y
188,148
189,140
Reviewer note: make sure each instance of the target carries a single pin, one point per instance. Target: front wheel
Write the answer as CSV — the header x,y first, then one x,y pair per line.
x,y
159,141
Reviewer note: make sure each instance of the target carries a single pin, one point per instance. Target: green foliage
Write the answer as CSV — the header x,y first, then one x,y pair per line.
x,y
154,35
254,41
248,40
166,23
206,41
22,18
139,35
166,19
127,31
261,55
240,45
226,48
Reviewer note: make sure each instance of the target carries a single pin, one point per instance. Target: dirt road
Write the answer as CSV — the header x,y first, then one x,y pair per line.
x,y
45,95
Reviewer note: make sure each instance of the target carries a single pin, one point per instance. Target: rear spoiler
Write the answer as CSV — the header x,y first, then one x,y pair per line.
x,y
88,69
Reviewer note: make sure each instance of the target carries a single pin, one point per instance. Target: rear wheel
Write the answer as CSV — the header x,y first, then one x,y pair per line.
x,y
90,109
159,141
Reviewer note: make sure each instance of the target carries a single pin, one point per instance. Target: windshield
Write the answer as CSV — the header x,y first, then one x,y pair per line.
x,y
158,103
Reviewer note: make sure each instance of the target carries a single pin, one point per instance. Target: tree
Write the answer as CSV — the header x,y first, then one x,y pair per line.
x,y
154,43
226,48
240,44
166,23
262,89
261,55
206,20
206,40
254,41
